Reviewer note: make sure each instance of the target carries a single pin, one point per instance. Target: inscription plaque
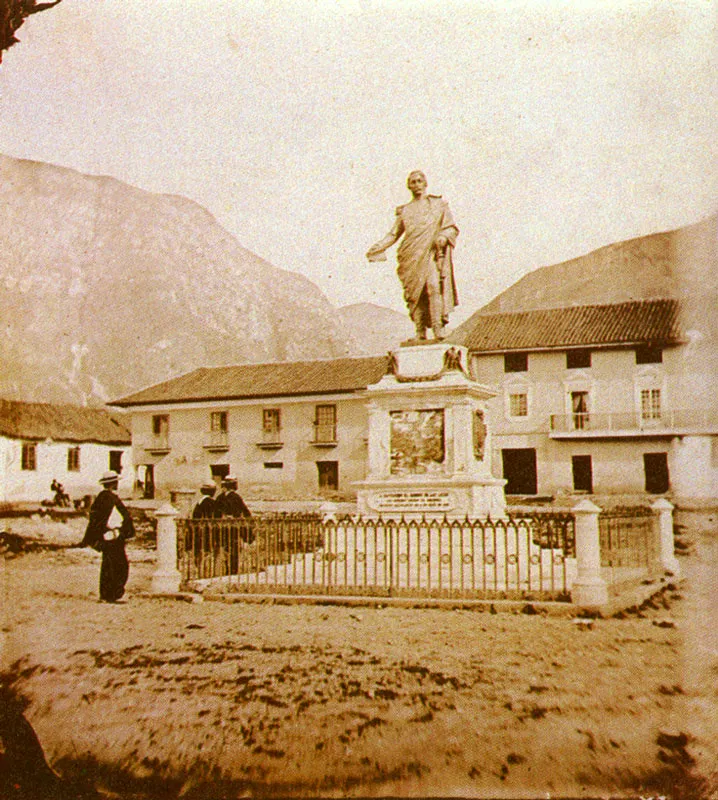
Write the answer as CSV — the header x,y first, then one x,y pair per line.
x,y
412,500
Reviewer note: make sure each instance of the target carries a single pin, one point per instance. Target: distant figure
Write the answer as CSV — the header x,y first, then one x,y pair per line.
x,y
109,527
206,508
61,497
426,269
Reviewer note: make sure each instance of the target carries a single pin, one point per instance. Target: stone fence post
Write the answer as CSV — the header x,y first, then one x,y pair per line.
x,y
166,578
664,511
589,590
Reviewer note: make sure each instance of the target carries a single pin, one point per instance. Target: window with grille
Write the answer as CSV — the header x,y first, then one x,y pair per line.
x,y
650,404
271,426
325,423
73,459
29,456
328,475
518,405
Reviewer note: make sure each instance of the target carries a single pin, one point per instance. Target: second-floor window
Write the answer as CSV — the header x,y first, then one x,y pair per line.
x,y
218,422
519,404
649,354
29,456
160,425
516,362
578,359
271,424
650,404
579,410
325,423
160,431
73,459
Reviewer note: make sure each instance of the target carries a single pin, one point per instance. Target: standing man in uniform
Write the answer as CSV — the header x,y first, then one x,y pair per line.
x,y
425,257
109,527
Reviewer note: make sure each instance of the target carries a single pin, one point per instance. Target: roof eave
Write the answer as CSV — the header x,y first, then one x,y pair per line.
x,y
230,398
587,346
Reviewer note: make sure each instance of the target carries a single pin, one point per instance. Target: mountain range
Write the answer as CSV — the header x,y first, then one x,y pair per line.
x,y
106,288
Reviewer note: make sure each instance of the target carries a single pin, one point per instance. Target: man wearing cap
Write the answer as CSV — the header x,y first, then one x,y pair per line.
x,y
206,508
109,527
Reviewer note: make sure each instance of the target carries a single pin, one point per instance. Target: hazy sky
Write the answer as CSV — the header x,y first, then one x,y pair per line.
x,y
552,128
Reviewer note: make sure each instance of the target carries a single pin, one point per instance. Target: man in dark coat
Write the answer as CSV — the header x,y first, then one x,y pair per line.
x,y
206,508
109,527
201,536
230,504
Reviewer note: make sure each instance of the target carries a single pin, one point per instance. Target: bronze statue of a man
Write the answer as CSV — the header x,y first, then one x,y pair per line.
x,y
426,269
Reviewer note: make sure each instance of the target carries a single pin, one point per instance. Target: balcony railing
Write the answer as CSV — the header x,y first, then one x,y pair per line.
x,y
217,441
158,443
634,422
325,433
271,439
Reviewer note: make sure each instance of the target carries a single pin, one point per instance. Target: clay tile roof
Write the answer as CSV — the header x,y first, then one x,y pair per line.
x,y
63,423
264,380
636,322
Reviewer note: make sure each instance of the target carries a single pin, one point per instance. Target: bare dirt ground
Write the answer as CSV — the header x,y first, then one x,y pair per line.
x,y
162,698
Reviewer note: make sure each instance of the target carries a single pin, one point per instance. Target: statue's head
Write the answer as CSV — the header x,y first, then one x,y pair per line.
x,y
412,182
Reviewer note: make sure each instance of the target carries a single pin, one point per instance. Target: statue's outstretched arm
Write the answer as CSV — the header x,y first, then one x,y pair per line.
x,y
376,251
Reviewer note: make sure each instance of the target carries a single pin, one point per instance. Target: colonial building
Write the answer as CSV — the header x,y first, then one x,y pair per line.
x,y
40,442
596,399
288,430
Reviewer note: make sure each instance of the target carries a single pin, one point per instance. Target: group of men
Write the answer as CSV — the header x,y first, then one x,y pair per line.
x,y
110,526
228,502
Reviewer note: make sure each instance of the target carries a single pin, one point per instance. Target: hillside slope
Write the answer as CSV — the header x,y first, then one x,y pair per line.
x,y
105,288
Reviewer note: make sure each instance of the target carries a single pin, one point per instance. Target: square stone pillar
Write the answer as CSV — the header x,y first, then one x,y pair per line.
x,y
589,590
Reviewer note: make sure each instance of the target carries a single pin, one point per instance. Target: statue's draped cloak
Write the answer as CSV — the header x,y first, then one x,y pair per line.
x,y
421,223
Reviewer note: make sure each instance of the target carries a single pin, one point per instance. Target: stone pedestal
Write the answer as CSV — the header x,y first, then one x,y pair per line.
x,y
430,439
589,590
669,562
166,578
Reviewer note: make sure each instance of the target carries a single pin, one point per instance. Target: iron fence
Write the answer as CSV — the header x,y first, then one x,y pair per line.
x,y
523,556
630,543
